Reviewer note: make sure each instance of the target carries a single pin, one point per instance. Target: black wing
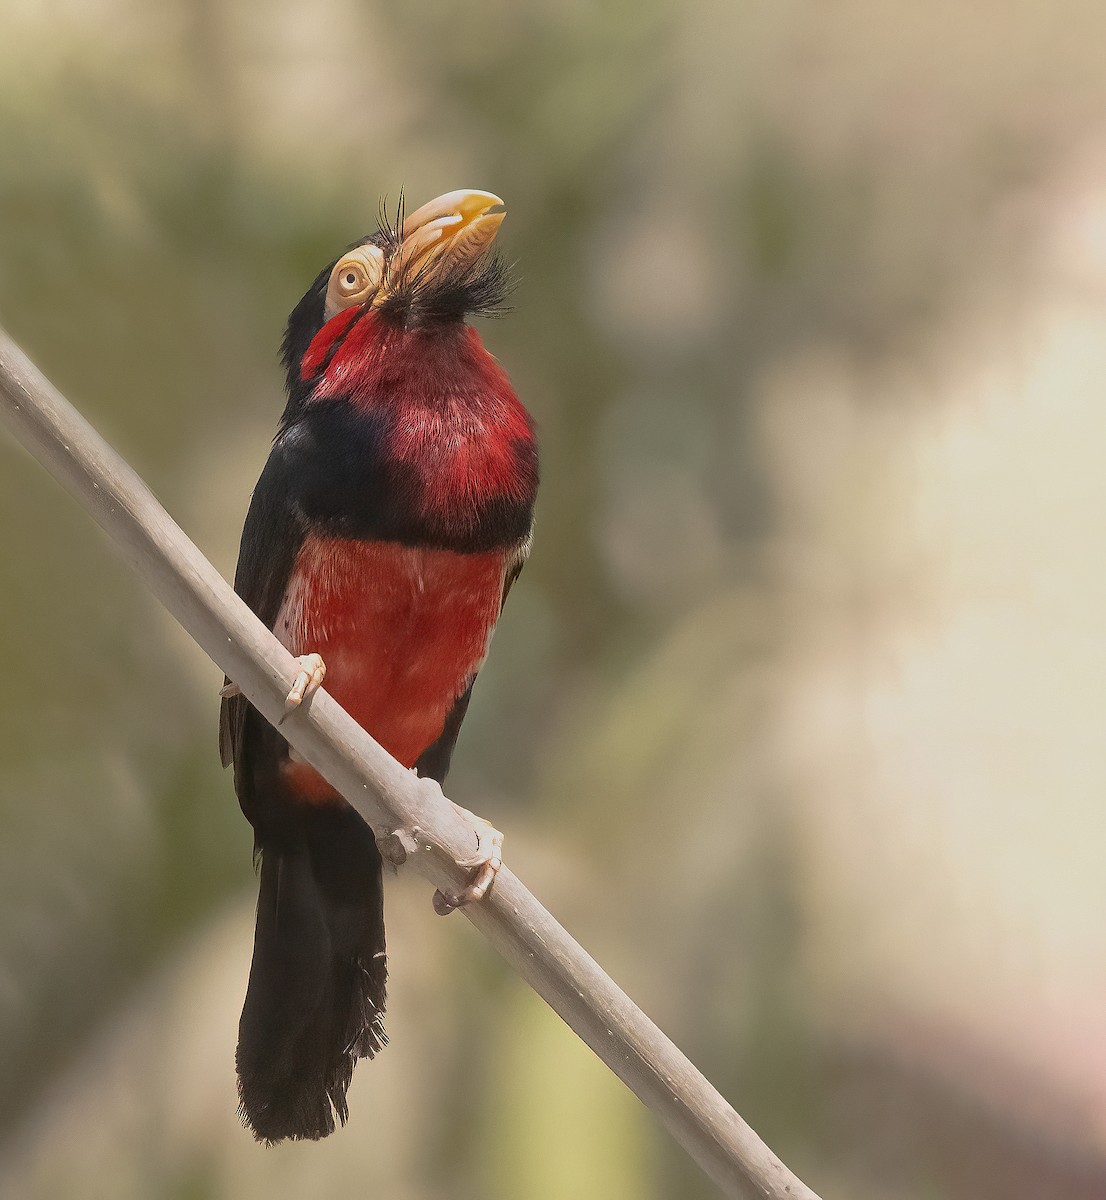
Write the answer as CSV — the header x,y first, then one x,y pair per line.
x,y
271,539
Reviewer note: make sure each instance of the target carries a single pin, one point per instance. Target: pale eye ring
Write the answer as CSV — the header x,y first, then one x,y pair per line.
x,y
352,279
355,279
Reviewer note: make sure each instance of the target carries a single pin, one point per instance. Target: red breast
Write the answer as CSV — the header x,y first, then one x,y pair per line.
x,y
401,629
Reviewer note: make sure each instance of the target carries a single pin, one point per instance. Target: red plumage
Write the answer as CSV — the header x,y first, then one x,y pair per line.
x,y
456,421
399,652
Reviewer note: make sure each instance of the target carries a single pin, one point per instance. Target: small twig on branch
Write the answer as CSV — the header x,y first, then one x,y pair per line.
x,y
410,816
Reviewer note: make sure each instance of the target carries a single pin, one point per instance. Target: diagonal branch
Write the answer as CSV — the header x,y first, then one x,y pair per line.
x,y
410,816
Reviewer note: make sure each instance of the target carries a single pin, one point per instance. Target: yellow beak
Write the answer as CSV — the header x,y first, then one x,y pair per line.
x,y
452,232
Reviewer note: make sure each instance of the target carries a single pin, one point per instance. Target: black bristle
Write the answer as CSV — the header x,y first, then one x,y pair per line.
x,y
432,297
389,234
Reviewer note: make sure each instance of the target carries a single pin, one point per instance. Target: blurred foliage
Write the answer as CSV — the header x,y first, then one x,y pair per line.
x,y
795,716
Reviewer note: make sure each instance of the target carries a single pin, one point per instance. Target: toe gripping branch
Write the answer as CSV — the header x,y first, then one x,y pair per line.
x,y
482,867
309,678
397,845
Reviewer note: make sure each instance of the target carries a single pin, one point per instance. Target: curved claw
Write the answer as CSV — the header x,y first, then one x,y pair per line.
x,y
484,864
312,672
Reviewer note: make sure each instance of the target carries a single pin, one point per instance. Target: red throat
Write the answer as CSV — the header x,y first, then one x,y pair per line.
x,y
370,358
325,340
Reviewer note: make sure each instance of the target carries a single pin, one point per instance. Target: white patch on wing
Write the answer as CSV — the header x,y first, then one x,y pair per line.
x,y
288,626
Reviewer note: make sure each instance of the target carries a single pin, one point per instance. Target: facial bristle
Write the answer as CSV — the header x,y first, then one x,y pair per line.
x,y
429,296
389,233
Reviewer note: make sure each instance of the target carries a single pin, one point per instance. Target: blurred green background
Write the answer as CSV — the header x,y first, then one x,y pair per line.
x,y
796,716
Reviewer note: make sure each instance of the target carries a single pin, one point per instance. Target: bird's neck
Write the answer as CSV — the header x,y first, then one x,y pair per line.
x,y
372,363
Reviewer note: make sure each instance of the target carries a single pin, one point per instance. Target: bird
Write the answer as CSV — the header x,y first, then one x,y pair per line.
x,y
392,517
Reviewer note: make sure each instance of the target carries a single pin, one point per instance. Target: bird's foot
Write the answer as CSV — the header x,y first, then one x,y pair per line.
x,y
311,675
484,865
312,671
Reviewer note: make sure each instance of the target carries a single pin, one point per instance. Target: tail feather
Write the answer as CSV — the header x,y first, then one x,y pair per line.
x,y
315,1001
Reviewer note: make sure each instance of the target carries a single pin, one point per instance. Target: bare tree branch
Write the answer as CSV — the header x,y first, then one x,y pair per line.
x,y
410,816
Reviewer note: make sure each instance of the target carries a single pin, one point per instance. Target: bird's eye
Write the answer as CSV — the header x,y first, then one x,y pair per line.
x,y
355,279
352,281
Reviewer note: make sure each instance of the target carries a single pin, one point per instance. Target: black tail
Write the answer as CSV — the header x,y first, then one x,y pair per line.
x,y
315,1002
